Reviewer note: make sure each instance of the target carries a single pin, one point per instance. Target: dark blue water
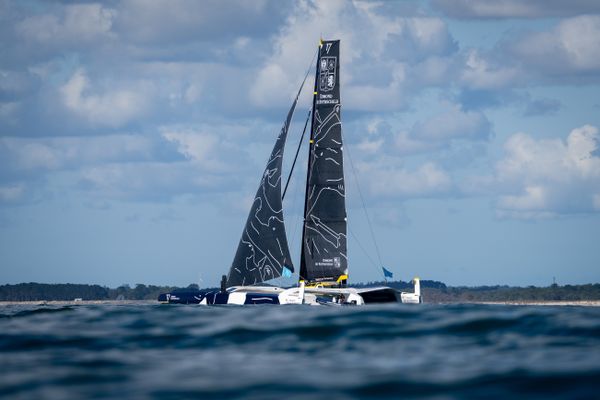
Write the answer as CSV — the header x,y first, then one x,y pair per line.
x,y
295,352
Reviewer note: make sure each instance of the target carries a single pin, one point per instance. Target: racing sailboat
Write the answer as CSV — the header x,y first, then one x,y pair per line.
x,y
263,253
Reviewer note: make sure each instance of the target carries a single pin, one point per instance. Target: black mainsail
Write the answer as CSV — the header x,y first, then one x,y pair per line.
x,y
324,255
263,251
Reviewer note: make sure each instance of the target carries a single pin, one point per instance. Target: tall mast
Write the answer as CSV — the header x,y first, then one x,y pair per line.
x,y
302,273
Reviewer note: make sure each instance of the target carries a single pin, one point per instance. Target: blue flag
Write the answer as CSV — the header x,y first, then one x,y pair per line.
x,y
387,273
286,272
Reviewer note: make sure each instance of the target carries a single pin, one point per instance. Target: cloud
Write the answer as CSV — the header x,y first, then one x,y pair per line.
x,y
391,164
76,24
478,99
549,177
417,38
542,107
565,53
230,31
194,146
388,178
515,8
405,143
434,71
482,72
11,193
8,111
181,29
46,154
175,161
147,181
209,164
138,65
187,67
391,215
452,139
383,53
134,64
13,84
454,123
597,201
30,167
570,46
199,147
157,23
111,108
495,99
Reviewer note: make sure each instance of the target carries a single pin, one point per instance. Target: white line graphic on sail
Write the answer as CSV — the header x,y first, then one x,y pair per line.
x,y
263,249
325,219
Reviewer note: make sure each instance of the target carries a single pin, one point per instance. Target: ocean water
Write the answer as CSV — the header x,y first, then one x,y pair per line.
x,y
151,351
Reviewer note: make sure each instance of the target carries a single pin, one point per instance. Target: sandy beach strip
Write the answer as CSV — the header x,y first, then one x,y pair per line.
x,y
586,303
76,303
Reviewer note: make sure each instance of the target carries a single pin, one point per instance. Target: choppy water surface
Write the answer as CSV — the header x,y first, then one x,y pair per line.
x,y
264,352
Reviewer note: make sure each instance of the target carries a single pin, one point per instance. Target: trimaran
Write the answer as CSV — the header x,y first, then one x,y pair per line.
x,y
263,252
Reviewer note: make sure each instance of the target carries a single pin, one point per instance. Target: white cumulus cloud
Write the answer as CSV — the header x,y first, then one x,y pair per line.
x,y
111,108
570,46
548,177
199,147
481,73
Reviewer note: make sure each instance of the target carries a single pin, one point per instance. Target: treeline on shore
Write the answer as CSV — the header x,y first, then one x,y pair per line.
x,y
433,292
554,292
71,291
438,292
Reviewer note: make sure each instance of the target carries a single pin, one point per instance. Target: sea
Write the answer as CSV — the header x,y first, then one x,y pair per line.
x,y
152,351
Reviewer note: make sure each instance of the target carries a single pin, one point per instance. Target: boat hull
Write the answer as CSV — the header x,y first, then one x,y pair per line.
x,y
217,297
246,295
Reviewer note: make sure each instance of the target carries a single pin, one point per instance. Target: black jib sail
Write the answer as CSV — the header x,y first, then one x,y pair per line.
x,y
323,257
263,252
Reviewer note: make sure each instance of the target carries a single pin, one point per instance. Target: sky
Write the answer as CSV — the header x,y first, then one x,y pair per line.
x,y
133,135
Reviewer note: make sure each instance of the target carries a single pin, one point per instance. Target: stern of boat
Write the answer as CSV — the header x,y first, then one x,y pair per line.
x,y
415,297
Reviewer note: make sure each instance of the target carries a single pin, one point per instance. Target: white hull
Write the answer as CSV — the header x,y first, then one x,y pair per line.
x,y
321,296
241,295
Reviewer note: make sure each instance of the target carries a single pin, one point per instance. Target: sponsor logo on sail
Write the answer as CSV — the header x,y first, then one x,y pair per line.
x,y
337,262
327,74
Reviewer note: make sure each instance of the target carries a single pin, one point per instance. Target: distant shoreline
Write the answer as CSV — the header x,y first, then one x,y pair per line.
x,y
582,303
586,303
434,292
76,303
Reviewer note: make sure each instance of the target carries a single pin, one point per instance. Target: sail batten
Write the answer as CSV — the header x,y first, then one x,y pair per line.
x,y
324,247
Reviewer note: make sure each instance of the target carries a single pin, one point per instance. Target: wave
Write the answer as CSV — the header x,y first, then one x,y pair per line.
x,y
155,351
